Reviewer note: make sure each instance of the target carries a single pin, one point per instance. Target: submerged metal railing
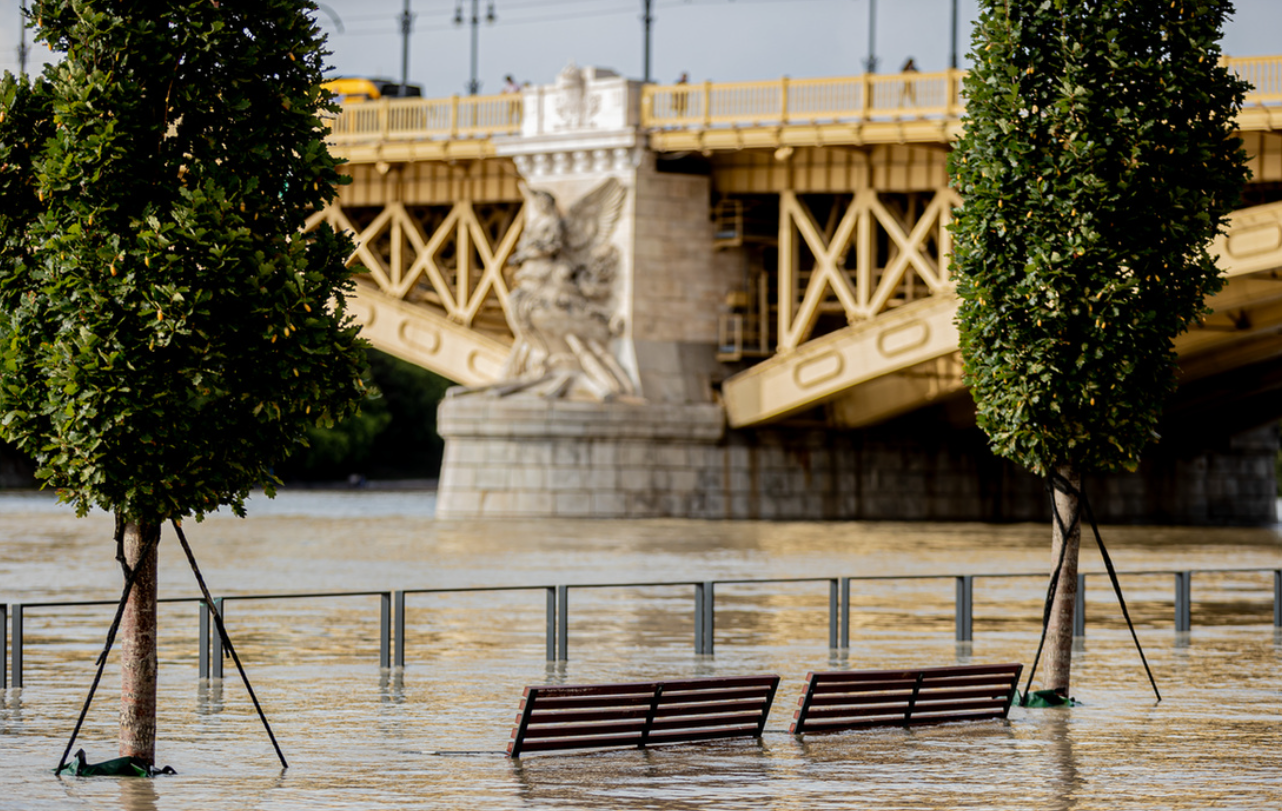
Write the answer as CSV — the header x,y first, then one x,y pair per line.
x,y
392,611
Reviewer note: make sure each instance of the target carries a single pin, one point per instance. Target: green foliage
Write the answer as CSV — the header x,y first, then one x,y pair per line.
x,y
167,334
394,436
1097,163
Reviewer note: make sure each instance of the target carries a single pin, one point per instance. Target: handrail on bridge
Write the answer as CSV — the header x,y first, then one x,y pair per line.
x,y
392,636
856,99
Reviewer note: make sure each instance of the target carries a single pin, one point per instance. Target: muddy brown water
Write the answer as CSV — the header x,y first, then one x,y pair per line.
x,y
431,736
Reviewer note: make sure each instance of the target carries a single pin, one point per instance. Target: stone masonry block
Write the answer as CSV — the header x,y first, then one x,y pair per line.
x,y
574,504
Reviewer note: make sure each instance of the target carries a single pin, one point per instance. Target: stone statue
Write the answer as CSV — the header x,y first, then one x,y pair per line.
x,y
562,307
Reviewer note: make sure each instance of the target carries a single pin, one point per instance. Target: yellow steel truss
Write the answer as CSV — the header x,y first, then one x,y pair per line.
x,y
430,309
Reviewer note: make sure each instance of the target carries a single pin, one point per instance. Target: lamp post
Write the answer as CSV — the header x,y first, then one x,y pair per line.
x,y
952,57
407,25
22,42
872,36
647,20
474,86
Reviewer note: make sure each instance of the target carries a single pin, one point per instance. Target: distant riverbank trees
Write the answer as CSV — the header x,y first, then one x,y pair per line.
x,y
393,437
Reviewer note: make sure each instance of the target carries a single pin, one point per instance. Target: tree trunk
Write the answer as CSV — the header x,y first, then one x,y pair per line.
x,y
138,648
1059,633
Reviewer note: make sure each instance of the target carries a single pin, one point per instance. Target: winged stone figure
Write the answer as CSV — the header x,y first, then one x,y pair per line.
x,y
562,307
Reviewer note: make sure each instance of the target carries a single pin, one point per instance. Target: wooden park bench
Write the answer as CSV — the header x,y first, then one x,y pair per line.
x,y
645,714
856,699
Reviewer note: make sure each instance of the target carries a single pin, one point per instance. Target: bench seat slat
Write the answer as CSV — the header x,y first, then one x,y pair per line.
x,y
709,735
581,730
900,709
718,683
722,706
740,719
573,703
539,718
923,698
757,693
540,745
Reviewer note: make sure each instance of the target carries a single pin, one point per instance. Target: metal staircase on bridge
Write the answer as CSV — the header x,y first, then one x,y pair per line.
x,y
905,358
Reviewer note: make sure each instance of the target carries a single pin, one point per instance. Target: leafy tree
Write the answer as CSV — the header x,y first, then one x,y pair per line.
x,y
167,334
394,436
1098,160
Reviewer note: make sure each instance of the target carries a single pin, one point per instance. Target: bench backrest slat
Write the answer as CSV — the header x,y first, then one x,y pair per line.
x,y
600,715
840,700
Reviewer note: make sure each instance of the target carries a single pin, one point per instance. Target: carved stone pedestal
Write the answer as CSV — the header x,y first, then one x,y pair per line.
x,y
538,457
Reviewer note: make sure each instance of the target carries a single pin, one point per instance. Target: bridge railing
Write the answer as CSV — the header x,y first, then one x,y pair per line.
x,y
1265,75
418,119
804,101
870,97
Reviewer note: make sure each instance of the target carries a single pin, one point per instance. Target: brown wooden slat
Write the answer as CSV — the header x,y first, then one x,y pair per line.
x,y
701,709
718,682
959,706
540,718
962,681
820,687
582,730
828,699
713,695
963,695
703,722
858,712
596,701
739,732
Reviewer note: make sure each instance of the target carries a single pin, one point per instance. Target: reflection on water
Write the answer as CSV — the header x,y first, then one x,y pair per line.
x,y
431,736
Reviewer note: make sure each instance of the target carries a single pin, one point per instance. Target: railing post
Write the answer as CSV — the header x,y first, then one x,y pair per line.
x,y
834,612
707,105
709,617
783,101
1183,597
17,646
551,629
454,116
698,619
4,646
398,628
1277,598
867,106
563,623
965,607
385,630
216,642
845,613
202,642
1079,608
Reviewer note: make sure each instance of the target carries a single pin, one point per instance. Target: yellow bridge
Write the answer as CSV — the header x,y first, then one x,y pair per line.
x,y
822,213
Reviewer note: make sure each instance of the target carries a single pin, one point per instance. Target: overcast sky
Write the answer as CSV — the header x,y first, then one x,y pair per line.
x,y
720,40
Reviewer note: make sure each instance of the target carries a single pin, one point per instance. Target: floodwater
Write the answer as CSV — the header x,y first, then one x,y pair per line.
x,y
432,736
